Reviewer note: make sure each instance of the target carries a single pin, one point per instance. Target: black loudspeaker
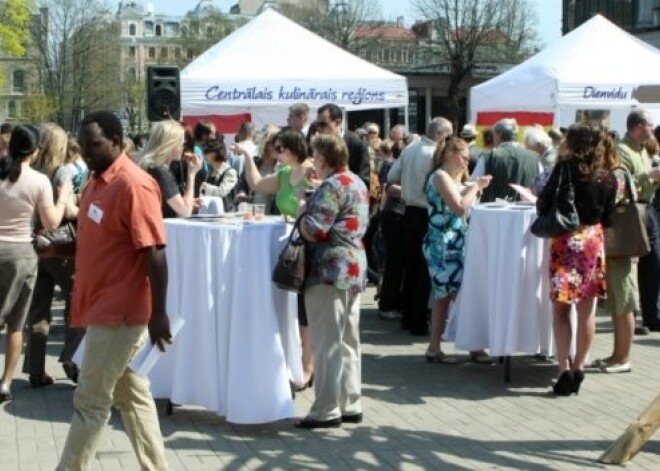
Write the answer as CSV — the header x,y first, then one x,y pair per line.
x,y
163,93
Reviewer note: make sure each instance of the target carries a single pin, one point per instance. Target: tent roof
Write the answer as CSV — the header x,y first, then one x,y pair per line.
x,y
598,53
271,50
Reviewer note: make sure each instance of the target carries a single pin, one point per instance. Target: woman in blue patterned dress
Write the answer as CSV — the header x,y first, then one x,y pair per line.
x,y
444,244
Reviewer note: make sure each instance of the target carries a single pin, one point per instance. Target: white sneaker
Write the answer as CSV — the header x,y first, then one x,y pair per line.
x,y
389,315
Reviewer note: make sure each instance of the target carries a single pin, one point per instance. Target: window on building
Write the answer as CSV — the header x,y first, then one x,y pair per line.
x,y
159,30
164,53
148,28
189,54
18,81
184,31
12,112
209,31
131,52
152,53
177,53
132,74
132,30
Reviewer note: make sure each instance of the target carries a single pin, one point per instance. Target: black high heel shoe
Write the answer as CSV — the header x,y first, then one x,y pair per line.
x,y
308,384
565,385
578,377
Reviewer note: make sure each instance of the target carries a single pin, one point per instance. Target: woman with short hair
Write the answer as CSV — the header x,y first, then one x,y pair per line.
x,y
23,191
335,221
287,183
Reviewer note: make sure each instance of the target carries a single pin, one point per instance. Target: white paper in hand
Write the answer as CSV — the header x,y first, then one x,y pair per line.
x,y
147,358
524,193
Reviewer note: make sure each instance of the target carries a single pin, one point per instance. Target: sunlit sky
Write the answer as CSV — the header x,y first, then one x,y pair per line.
x,y
548,12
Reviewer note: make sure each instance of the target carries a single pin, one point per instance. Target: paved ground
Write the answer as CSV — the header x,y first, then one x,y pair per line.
x,y
417,416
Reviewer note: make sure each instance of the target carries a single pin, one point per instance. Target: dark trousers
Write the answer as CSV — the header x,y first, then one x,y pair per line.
x,y
391,226
51,272
373,260
416,282
649,274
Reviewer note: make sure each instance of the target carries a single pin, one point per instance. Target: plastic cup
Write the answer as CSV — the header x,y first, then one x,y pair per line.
x,y
246,210
259,212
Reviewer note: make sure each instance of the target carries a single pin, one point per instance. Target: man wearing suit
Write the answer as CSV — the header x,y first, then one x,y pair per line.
x,y
358,154
507,163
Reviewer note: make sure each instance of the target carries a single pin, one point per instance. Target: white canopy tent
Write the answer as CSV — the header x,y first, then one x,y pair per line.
x,y
271,63
597,71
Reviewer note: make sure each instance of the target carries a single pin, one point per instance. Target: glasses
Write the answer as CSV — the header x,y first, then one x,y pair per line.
x,y
279,148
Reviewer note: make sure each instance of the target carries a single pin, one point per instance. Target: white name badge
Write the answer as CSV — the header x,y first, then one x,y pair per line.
x,y
95,213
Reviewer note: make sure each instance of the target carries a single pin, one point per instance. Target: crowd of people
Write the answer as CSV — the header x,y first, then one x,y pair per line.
x,y
394,211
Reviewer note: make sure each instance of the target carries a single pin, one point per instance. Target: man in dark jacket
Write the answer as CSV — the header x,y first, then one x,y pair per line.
x,y
507,163
358,154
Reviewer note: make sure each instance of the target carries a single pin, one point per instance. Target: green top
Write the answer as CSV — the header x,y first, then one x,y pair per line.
x,y
636,160
286,197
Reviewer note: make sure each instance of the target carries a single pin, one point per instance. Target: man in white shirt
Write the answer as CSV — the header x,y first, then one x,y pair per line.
x,y
411,171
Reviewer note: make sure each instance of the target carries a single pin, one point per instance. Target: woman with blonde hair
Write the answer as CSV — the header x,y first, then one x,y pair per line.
x,y
164,146
444,244
52,161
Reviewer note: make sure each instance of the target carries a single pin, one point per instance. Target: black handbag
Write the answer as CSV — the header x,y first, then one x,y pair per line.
x,y
289,271
560,217
59,242
627,237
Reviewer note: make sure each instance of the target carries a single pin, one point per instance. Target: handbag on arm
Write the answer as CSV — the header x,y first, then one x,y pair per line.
x,y
59,242
289,271
627,237
560,216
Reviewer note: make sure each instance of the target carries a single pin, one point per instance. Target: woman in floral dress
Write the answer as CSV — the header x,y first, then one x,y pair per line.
x,y
444,244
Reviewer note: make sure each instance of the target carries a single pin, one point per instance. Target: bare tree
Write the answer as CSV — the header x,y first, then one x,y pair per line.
x,y
66,20
342,22
466,32
201,30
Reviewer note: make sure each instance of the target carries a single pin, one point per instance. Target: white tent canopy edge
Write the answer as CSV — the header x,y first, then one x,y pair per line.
x,y
598,66
271,63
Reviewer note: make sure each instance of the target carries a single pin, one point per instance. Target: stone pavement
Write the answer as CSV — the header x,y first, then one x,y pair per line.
x,y
417,416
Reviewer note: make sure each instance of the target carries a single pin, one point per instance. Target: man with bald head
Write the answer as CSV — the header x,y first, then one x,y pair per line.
x,y
633,156
410,170
507,163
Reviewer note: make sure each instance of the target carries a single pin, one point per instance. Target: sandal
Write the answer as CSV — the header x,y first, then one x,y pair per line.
x,y
439,357
5,393
481,358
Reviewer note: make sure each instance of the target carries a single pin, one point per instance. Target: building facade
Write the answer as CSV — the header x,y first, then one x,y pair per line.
x,y
639,17
21,75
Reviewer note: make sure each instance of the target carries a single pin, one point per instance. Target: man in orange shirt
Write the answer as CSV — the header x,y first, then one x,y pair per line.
x,y
119,294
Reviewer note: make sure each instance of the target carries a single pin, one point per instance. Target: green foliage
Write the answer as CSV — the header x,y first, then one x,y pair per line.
x,y
38,108
15,19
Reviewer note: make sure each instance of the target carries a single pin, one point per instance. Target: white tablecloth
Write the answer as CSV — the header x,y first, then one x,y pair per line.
x,y
504,303
240,344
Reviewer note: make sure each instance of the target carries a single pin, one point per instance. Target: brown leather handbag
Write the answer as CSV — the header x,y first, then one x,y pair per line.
x,y
60,242
627,237
289,271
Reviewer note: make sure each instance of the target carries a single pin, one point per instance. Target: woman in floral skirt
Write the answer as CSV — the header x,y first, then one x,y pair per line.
x,y
577,263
